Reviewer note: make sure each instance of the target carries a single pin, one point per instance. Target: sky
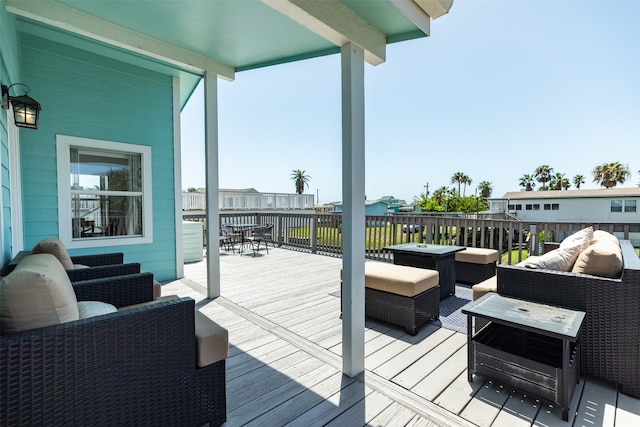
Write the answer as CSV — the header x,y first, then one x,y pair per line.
x,y
498,89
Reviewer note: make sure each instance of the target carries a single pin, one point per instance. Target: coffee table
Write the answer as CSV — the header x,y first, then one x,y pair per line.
x,y
529,346
433,257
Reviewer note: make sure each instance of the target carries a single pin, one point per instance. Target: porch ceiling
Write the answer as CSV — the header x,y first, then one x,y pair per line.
x,y
189,37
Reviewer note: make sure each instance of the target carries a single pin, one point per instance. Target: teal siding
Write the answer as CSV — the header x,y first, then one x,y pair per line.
x,y
8,74
90,96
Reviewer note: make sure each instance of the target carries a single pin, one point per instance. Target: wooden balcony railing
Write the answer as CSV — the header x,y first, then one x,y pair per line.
x,y
322,233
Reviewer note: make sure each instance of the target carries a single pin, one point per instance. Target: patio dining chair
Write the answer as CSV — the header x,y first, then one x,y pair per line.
x,y
231,237
258,235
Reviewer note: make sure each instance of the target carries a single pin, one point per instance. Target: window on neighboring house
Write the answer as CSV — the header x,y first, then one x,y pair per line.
x,y
528,207
555,207
630,206
104,192
536,207
616,206
518,207
547,206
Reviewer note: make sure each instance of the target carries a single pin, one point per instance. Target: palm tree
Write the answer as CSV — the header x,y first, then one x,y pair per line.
x,y
527,181
610,174
578,180
468,181
558,182
460,178
485,189
543,175
301,179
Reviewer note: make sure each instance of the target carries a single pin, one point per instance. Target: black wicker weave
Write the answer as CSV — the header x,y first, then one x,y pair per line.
x,y
409,312
103,271
88,260
133,367
472,273
611,335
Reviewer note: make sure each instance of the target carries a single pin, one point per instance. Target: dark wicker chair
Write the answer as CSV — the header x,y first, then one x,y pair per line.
x,y
95,260
610,337
133,367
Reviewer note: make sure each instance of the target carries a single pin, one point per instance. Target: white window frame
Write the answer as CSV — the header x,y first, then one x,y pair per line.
x,y
65,232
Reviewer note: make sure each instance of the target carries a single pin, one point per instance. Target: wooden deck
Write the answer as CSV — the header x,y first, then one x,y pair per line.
x,y
284,366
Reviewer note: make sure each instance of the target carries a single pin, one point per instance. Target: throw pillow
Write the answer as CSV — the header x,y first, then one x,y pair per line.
x,y
603,236
580,239
557,259
54,247
36,294
602,259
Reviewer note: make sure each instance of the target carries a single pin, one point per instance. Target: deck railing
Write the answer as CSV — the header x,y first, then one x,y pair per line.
x,y
322,233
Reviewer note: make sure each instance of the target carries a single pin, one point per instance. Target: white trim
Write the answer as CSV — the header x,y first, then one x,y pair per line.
x,y
415,14
336,23
15,179
65,233
74,21
177,177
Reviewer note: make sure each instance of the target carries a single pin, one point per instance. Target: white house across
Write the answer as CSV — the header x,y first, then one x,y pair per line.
x,y
621,205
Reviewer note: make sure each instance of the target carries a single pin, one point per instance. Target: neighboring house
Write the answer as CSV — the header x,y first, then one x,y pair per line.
x,y
381,206
599,205
248,198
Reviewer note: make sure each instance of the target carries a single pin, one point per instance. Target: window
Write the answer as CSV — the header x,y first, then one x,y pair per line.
x,y
104,192
630,206
547,206
529,207
616,206
536,207
555,207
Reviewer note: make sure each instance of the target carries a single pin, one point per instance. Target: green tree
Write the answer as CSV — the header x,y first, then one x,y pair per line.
x,y
192,190
578,180
558,182
485,189
527,181
610,174
301,179
543,175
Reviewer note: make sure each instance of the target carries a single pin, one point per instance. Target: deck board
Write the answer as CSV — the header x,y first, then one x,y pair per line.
x,y
284,365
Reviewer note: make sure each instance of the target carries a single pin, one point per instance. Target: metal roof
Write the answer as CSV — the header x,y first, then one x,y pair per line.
x,y
190,37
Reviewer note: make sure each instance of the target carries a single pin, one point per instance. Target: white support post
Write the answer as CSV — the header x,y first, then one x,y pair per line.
x,y
177,177
353,219
211,166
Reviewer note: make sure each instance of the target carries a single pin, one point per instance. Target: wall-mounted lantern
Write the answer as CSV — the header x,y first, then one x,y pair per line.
x,y
25,108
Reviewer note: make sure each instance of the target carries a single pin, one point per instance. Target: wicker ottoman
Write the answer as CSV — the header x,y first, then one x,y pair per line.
x,y
474,265
404,296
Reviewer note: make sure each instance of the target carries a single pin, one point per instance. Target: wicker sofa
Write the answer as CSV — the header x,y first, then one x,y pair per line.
x,y
610,338
148,363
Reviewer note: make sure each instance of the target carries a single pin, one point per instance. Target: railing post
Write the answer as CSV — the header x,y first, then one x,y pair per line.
x,y
313,234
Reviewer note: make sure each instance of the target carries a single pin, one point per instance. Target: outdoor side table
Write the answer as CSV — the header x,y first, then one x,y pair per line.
x,y
532,347
441,258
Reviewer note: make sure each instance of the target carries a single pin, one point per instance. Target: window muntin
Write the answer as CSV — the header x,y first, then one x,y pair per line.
x,y
104,192
616,206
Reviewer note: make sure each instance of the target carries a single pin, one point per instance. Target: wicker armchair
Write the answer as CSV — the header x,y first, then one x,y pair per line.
x,y
133,367
610,341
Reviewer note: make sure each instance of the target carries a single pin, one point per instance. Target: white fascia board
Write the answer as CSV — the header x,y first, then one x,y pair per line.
x,y
336,23
415,14
59,16
435,8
